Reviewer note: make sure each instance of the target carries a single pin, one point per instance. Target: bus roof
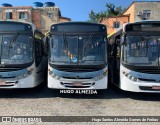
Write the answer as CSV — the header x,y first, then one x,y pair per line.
x,y
19,22
119,30
12,21
78,22
141,22
71,27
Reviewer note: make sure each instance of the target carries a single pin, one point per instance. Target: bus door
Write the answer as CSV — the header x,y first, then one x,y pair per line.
x,y
110,47
116,64
39,56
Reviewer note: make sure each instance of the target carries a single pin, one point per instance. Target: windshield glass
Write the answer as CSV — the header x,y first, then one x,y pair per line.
x,y
81,49
16,48
141,50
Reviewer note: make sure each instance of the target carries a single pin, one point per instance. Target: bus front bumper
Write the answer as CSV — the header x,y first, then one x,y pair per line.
x,y
28,82
77,83
141,86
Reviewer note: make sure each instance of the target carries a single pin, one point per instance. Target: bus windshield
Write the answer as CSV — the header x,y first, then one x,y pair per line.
x,y
16,48
77,49
142,50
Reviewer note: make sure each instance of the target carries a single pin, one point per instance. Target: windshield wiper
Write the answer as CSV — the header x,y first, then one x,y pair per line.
x,y
64,41
65,48
89,39
12,42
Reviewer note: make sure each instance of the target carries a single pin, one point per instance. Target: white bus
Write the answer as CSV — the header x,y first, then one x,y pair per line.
x,y
77,56
134,57
21,55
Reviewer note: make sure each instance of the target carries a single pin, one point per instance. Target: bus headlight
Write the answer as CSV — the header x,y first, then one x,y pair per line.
x,y
101,76
135,79
54,75
19,77
105,73
29,72
129,76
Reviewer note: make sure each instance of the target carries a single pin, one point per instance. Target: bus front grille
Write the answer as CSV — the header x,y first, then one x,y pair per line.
x,y
7,77
78,77
71,69
81,85
147,80
77,86
148,88
9,83
151,71
9,69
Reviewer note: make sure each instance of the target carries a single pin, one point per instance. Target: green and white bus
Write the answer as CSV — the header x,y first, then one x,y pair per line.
x,y
77,56
21,55
134,57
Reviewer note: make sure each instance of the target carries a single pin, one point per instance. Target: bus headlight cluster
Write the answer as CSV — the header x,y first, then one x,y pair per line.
x,y
129,76
101,76
54,75
29,72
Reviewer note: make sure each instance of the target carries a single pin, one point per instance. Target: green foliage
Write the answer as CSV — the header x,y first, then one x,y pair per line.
x,y
94,17
111,10
114,11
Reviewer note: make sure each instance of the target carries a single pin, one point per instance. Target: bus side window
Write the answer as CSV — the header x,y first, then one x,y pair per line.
x,y
38,47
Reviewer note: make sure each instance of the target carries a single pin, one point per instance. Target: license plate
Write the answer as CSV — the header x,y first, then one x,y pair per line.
x,y
2,83
77,84
156,87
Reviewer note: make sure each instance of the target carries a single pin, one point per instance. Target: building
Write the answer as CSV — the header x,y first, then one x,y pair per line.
x,y
146,10
138,10
16,13
42,17
113,22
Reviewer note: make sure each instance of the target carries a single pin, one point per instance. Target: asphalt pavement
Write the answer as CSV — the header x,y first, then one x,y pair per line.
x,y
42,101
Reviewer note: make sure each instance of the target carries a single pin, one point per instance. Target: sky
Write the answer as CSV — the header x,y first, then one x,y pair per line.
x,y
77,10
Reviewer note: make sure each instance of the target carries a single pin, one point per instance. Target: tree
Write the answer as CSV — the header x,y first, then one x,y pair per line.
x,y
94,17
111,10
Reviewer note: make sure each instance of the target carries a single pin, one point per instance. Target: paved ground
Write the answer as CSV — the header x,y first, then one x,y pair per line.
x,y
46,102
